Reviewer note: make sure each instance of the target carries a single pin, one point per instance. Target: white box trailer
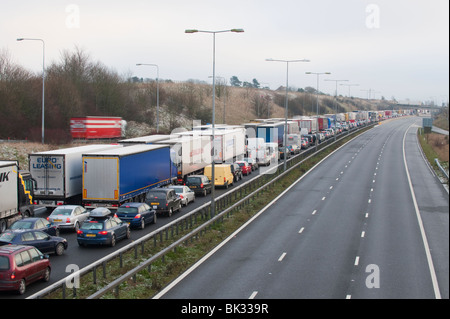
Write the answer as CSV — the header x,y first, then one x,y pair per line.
x,y
229,144
189,153
16,194
148,139
58,174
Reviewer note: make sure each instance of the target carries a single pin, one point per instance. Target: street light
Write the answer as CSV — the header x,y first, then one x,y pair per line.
x,y
43,78
350,85
286,102
213,208
317,74
157,92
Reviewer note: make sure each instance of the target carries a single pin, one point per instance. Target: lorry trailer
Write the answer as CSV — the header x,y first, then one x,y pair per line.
x,y
16,194
112,177
58,174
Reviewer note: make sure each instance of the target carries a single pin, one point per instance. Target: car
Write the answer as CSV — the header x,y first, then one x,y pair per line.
x,y
281,151
294,149
136,214
200,184
36,238
252,162
163,200
20,265
186,194
305,143
102,228
68,216
36,223
245,167
237,171
222,175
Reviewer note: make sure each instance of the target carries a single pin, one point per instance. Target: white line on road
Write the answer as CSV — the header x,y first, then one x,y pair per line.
x,y
301,230
282,256
363,233
253,295
314,212
323,198
356,260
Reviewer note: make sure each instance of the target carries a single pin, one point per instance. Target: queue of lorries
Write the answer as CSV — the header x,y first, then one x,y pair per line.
x,y
140,178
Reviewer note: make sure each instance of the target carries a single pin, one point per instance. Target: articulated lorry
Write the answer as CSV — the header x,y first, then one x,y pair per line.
x,y
16,194
58,174
113,177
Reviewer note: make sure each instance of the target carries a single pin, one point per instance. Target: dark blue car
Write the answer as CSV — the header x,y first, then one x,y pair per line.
x,y
36,223
136,214
44,242
102,228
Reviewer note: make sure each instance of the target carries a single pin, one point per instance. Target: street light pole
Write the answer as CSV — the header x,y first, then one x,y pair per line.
x,y
286,103
43,79
317,107
213,208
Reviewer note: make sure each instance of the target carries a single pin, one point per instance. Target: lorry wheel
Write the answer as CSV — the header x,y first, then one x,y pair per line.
x,y
2,226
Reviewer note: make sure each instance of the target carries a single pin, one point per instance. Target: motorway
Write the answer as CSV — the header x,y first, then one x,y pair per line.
x,y
371,221
352,211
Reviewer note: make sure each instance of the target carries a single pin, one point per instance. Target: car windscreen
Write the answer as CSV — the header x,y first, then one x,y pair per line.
x,y
4,263
7,237
127,210
178,190
194,181
92,225
22,225
62,211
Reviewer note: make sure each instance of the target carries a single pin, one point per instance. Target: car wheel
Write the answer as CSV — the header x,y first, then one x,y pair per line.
x,y
142,223
59,249
170,212
113,240
154,218
46,277
22,287
204,193
128,235
77,226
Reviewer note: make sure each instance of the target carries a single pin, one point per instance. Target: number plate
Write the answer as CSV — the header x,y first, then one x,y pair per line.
x,y
90,235
154,203
57,220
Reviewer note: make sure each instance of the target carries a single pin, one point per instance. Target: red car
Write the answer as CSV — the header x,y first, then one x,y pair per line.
x,y
21,265
245,167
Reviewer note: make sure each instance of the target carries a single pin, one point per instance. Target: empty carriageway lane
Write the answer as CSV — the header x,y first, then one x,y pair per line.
x,y
308,243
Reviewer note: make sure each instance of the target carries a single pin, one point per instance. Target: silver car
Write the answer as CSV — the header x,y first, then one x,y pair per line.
x,y
185,193
68,216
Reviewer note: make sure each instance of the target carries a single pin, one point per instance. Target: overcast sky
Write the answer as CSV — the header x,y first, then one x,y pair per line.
x,y
396,48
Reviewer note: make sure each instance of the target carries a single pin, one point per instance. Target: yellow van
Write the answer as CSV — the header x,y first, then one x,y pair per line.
x,y
222,174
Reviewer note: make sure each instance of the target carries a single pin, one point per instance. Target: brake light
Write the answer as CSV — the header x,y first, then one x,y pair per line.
x,y
13,276
68,220
48,218
224,179
79,232
201,185
137,216
181,196
103,232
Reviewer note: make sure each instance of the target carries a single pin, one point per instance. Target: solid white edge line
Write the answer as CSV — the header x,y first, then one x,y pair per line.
x,y
434,281
202,260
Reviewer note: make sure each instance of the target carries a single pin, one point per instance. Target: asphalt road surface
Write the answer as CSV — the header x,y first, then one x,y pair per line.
x,y
371,221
